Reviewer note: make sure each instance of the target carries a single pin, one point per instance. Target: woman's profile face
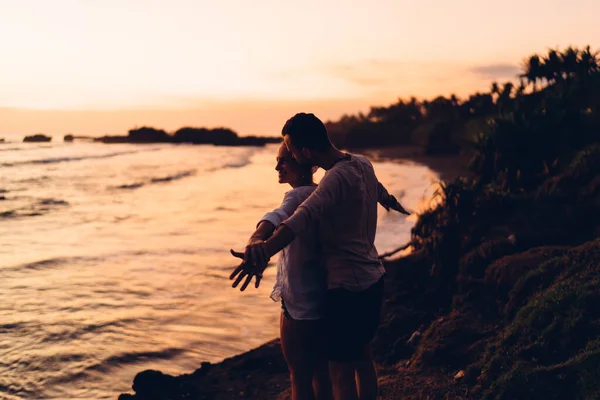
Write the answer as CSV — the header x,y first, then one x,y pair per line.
x,y
288,169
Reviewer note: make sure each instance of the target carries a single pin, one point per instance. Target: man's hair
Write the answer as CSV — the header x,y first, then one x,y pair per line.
x,y
307,131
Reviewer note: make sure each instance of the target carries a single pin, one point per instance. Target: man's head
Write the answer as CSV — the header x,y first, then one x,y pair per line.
x,y
305,136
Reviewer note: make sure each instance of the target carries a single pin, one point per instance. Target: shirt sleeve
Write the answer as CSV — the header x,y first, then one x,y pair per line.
x,y
329,192
289,204
383,196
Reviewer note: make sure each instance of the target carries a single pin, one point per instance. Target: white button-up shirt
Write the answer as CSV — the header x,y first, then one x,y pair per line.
x,y
301,279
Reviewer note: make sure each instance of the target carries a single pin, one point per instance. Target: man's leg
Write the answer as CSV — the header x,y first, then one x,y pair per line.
x,y
322,381
352,319
344,381
366,377
340,328
370,311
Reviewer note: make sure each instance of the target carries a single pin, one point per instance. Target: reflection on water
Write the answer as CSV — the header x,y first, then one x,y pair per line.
x,y
114,259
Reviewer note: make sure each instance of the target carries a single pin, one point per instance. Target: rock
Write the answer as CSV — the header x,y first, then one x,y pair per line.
x,y
37,138
152,384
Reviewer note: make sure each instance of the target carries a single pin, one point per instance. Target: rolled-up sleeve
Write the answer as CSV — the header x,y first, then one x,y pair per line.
x,y
328,194
289,204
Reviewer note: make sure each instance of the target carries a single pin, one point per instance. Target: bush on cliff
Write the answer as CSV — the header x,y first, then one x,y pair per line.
x,y
551,349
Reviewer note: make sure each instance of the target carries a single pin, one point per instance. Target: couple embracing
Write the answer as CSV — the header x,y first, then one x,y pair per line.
x,y
329,277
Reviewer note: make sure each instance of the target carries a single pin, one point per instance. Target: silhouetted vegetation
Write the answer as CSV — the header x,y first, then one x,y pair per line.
x,y
449,125
216,136
505,275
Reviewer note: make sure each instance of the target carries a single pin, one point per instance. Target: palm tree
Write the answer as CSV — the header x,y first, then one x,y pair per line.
x,y
588,62
533,70
553,66
521,88
495,89
504,99
570,62
454,100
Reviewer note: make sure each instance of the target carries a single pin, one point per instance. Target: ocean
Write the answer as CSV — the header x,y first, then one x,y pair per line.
x,y
115,259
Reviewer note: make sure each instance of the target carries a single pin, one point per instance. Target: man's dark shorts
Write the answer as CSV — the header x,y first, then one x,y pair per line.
x,y
351,319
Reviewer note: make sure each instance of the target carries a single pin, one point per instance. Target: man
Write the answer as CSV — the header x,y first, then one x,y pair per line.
x,y
344,206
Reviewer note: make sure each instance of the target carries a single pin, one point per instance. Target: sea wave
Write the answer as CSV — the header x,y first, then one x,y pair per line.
x,y
36,208
237,164
134,357
56,160
11,148
130,186
243,160
48,263
158,179
116,361
72,333
173,177
36,179
53,202
107,257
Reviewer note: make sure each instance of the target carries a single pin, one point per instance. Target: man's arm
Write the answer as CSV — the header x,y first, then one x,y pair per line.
x,y
282,237
327,194
268,224
388,201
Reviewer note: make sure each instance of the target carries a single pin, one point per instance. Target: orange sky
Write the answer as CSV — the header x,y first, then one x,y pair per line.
x,y
103,67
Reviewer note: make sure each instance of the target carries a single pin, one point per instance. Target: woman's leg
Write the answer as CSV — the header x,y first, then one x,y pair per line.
x,y
300,343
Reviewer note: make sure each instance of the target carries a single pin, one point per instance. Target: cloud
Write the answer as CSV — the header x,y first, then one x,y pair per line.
x,y
384,74
496,71
390,78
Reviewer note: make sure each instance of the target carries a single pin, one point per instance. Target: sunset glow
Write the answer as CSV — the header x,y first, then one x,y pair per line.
x,y
103,67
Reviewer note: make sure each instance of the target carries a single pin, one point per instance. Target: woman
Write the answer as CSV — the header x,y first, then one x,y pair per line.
x,y
300,286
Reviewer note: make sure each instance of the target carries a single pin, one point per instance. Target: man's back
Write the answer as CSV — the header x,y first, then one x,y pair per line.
x,y
345,207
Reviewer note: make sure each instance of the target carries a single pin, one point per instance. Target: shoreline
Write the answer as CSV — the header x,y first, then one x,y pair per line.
x,y
449,167
261,372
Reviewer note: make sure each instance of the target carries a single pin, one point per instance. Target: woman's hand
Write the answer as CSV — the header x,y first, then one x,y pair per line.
x,y
245,270
255,253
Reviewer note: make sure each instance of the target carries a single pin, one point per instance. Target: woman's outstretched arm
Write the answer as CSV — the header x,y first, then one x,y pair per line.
x,y
268,223
263,231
